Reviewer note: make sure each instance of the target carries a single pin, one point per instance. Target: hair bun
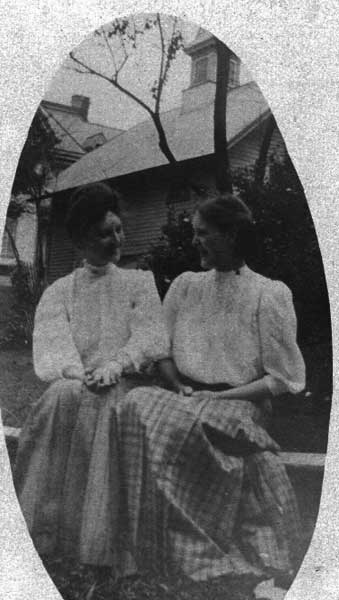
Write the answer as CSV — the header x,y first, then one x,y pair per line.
x,y
89,204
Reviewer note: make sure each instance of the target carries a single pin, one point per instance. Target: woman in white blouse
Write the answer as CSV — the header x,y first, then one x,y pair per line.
x,y
210,496
94,330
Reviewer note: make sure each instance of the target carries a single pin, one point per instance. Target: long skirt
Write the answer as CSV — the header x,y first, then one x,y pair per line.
x,y
204,491
67,473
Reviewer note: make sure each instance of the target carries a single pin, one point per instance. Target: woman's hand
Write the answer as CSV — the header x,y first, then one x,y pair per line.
x,y
73,372
103,377
183,390
251,392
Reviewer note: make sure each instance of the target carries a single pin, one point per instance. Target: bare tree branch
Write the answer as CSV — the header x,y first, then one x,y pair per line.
x,y
110,49
120,27
161,71
113,82
66,131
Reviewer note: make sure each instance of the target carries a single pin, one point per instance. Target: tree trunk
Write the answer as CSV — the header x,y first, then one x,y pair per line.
x,y
261,163
43,224
222,164
163,145
13,245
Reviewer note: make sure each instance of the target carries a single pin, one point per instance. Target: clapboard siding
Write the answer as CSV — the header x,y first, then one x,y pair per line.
x,y
145,204
61,254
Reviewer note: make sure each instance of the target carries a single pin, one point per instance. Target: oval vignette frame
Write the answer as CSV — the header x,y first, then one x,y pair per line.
x,y
259,18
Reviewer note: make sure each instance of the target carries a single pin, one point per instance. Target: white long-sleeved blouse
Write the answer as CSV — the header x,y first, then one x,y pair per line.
x,y
96,315
234,328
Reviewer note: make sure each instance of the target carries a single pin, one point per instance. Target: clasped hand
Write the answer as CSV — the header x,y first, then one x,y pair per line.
x,y
102,377
96,378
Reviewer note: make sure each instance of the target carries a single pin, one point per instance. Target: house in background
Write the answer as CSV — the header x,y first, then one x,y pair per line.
x,y
134,164
77,137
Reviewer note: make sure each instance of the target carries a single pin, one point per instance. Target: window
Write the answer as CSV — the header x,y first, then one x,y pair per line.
x,y
6,248
200,70
233,74
94,141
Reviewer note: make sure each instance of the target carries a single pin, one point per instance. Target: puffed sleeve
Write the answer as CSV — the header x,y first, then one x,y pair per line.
x,y
148,339
282,361
173,301
53,345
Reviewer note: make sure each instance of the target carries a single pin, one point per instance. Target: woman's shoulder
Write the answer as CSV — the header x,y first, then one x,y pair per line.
x,y
56,293
191,277
136,279
187,279
134,274
60,285
271,290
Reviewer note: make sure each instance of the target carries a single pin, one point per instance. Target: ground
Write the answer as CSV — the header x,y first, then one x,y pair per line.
x,y
19,385
83,583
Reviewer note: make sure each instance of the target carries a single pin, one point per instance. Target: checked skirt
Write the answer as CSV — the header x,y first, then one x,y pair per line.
x,y
188,507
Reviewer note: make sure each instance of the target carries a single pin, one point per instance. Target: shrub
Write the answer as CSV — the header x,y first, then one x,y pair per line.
x,y
173,253
27,289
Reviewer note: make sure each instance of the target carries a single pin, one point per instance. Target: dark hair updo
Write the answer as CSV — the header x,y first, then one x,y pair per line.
x,y
89,205
228,213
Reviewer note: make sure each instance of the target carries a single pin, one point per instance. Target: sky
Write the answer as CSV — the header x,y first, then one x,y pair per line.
x,y
110,107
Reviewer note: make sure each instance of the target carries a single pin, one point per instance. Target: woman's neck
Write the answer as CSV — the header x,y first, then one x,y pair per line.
x,y
96,263
235,265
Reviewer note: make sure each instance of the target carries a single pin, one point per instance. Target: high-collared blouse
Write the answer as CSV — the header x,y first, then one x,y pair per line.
x,y
234,328
96,315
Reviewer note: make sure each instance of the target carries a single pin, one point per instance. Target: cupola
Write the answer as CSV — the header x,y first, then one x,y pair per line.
x,y
203,54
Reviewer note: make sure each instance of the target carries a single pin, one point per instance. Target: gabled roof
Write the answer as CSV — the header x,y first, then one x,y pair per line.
x,y
189,135
202,40
72,130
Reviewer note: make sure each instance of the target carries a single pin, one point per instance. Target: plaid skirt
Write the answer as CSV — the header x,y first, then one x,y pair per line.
x,y
188,507
135,478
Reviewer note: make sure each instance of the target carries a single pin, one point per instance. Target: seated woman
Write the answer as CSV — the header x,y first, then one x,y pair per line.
x,y
209,495
94,330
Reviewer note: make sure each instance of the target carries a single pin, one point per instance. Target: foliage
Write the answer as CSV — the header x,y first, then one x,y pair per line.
x,y
36,157
173,253
35,164
287,249
27,289
287,245
80,582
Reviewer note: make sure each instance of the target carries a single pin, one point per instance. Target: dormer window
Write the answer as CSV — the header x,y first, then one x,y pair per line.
x,y
94,141
233,73
200,70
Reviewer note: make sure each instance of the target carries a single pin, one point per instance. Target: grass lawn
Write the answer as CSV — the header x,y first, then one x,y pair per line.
x,y
77,582
19,385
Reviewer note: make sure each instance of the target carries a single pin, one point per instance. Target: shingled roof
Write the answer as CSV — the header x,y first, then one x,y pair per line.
x,y
189,133
76,135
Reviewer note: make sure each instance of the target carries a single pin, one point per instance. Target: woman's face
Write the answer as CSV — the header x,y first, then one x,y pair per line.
x,y
215,247
104,240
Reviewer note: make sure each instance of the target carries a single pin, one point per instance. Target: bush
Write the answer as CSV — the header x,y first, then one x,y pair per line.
x,y
27,289
288,247
173,253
